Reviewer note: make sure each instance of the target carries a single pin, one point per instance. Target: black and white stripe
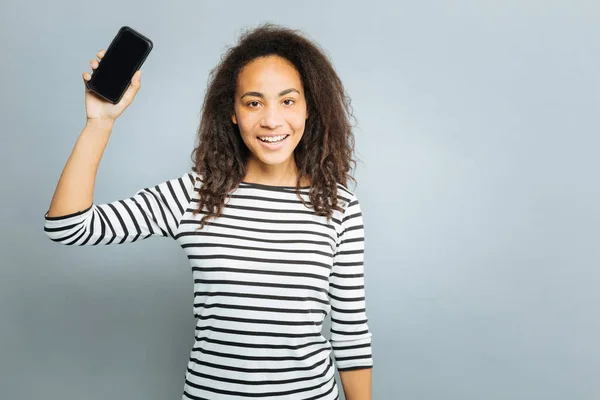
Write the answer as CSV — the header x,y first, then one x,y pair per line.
x,y
266,274
151,211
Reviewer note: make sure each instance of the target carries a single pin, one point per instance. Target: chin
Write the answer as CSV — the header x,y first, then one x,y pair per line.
x,y
274,159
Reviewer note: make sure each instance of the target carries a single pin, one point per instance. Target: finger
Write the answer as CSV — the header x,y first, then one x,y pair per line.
x,y
136,81
94,64
86,76
137,77
101,54
133,87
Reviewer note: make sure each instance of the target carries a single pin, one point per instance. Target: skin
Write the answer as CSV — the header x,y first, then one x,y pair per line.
x,y
269,99
357,384
75,189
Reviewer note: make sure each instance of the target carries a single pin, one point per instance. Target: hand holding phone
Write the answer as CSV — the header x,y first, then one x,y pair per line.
x,y
98,108
115,80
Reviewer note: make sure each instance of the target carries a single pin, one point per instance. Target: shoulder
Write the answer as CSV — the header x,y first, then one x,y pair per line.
x,y
346,197
186,181
196,177
181,186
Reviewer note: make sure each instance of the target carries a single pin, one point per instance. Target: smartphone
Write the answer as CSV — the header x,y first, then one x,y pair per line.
x,y
124,56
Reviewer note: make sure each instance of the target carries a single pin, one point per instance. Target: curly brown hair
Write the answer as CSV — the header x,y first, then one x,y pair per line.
x,y
324,153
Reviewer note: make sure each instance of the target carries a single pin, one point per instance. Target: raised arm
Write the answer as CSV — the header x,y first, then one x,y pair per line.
x,y
75,188
73,218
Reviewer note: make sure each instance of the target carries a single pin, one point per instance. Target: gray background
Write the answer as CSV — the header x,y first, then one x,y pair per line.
x,y
478,139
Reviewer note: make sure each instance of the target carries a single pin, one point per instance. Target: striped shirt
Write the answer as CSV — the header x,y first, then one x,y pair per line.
x,y
266,274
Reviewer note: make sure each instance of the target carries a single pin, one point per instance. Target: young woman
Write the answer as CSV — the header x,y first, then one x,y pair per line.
x,y
274,237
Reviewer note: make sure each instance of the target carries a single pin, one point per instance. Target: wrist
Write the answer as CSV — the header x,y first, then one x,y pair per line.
x,y
100,123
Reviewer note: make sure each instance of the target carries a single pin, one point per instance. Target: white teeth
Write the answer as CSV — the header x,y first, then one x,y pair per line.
x,y
272,139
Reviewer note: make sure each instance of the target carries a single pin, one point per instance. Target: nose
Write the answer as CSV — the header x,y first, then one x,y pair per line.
x,y
271,118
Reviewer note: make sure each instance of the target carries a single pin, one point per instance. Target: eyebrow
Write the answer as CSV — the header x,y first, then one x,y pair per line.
x,y
262,96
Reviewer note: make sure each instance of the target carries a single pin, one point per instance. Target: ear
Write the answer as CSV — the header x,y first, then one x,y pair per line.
x,y
233,119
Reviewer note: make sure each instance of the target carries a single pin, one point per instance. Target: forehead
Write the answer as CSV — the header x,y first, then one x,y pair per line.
x,y
271,73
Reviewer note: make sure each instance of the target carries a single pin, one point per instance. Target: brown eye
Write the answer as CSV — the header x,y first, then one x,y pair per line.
x,y
253,104
290,100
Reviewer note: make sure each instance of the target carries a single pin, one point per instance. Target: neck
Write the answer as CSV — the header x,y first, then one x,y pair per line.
x,y
284,174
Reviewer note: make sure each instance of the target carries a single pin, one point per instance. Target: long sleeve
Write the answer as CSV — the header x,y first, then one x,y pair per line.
x,y
350,334
152,211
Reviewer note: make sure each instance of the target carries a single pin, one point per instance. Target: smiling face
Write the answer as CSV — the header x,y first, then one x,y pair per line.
x,y
270,104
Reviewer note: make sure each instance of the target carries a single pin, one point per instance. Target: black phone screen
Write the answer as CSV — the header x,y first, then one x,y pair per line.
x,y
122,59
